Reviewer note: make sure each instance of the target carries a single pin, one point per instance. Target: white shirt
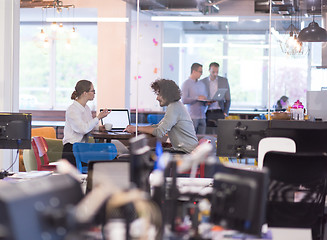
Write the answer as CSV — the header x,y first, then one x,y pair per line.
x,y
79,123
213,84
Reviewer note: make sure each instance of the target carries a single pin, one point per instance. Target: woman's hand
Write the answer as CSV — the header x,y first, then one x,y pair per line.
x,y
102,128
103,113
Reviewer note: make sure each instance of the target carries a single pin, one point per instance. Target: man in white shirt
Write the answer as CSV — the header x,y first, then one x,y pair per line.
x,y
217,109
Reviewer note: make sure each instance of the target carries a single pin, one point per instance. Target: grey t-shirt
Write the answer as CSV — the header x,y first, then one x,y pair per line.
x,y
179,126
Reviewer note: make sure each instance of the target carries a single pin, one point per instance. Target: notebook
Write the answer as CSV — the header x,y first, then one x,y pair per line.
x,y
119,118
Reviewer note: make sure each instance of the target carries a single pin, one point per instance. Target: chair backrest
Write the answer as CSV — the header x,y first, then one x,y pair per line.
x,y
280,144
85,152
40,148
297,190
154,118
47,132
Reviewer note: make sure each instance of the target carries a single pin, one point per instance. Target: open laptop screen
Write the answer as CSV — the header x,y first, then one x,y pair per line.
x,y
119,118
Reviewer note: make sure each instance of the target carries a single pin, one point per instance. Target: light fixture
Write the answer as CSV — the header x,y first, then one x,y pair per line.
x,y
88,19
313,33
42,35
58,7
57,31
194,19
292,45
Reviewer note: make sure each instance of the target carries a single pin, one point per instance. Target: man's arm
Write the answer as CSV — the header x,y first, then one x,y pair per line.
x,y
143,129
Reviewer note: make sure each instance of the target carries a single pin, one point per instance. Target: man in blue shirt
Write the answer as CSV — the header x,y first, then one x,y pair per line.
x,y
194,96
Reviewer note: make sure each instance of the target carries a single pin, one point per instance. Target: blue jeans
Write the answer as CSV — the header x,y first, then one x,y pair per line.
x,y
199,126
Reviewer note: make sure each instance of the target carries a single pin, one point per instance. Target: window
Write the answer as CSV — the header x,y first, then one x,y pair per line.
x,y
49,70
243,56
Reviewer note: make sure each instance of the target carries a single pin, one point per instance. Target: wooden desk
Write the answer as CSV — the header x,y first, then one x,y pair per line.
x,y
108,136
124,138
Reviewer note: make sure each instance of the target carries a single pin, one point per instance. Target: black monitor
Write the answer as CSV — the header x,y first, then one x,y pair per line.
x,y
15,130
239,199
240,138
30,212
308,136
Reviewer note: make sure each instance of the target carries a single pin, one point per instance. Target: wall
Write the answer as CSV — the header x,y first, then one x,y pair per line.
x,y
111,52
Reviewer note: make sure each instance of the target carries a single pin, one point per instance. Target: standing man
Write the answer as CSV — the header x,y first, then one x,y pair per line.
x,y
194,96
217,109
176,122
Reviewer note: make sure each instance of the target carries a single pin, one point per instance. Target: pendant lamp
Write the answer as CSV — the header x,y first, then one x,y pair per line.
x,y
313,33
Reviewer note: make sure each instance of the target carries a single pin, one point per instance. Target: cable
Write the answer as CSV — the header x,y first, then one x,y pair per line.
x,y
18,144
5,173
13,161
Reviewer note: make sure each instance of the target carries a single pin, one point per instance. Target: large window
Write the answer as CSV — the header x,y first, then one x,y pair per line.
x,y
243,56
49,69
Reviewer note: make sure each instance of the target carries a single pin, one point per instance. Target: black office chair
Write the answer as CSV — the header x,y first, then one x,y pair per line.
x,y
297,190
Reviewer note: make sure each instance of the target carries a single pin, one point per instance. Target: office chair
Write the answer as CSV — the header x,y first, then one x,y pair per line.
x,y
280,144
154,118
40,148
85,152
297,190
200,172
47,132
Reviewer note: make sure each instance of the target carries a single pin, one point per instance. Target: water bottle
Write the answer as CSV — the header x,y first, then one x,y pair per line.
x,y
294,112
300,110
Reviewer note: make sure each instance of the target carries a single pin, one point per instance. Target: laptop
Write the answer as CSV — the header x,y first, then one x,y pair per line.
x,y
219,95
119,118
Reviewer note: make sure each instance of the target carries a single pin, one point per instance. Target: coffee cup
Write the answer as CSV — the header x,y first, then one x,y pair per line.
x,y
108,126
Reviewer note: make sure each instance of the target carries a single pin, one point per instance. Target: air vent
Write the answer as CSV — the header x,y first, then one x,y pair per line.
x,y
284,7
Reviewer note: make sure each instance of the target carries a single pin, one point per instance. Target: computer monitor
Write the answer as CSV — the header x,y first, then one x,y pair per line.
x,y
239,199
316,107
30,212
118,171
308,136
15,130
240,138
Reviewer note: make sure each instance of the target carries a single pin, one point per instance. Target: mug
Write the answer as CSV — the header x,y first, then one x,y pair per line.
x,y
108,126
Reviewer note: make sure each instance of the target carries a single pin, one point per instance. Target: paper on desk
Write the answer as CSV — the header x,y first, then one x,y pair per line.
x,y
31,174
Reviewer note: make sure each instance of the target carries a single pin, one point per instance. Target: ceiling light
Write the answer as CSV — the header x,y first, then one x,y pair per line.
x,y
313,33
85,19
194,19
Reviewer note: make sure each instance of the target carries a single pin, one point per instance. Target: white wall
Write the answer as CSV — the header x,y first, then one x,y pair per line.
x,y
9,67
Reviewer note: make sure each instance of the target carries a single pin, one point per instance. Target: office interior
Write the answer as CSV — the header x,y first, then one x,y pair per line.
x,y
123,50
260,67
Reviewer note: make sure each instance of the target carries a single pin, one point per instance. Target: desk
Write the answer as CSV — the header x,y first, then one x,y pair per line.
x,y
108,136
